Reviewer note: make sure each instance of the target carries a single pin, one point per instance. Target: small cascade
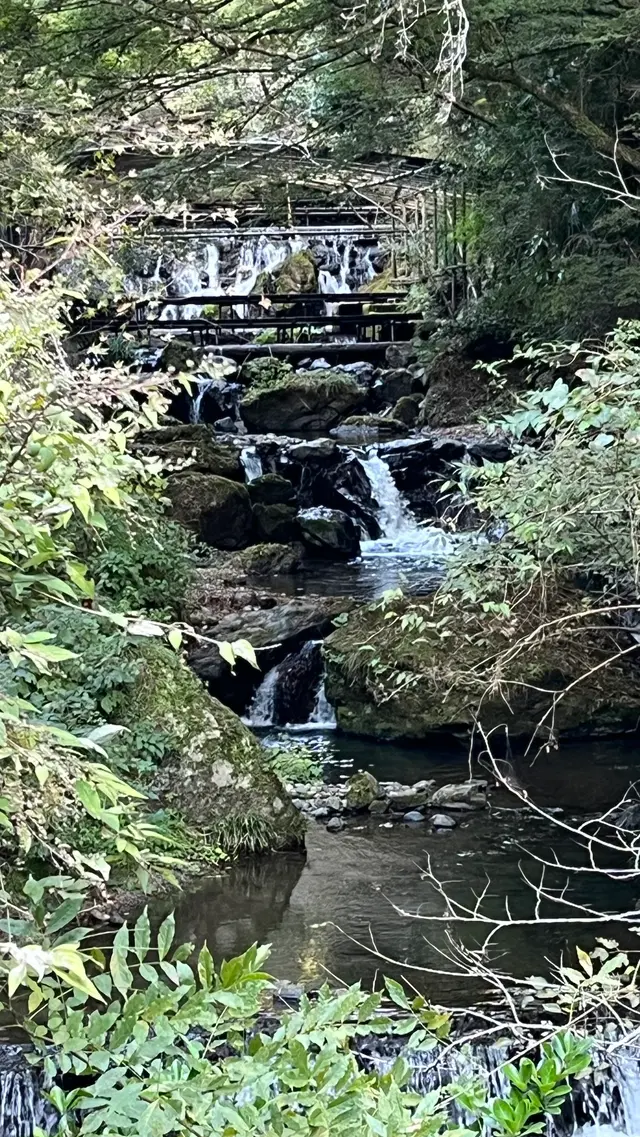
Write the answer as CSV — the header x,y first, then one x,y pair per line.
x,y
605,1103
23,1106
251,462
203,386
402,535
323,716
260,712
292,694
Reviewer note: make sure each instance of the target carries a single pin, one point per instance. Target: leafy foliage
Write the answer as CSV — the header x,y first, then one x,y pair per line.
x,y
159,1041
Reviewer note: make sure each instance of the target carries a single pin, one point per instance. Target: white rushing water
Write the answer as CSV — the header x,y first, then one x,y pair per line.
x,y
202,385
264,709
402,534
323,716
251,462
261,710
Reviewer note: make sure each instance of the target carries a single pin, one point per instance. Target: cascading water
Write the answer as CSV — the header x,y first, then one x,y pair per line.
x,y
402,535
251,462
203,386
23,1106
605,1103
292,694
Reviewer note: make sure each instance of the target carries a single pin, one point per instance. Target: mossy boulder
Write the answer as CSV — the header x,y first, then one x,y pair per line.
x,y
374,426
465,664
271,489
362,790
215,774
194,446
299,273
275,522
302,401
407,409
270,558
216,509
265,372
180,354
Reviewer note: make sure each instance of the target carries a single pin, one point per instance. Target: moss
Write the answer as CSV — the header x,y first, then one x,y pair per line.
x,y
216,509
299,273
216,771
314,400
195,446
362,789
180,354
454,666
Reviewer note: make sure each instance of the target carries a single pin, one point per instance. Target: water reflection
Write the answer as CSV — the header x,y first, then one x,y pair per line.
x,y
328,915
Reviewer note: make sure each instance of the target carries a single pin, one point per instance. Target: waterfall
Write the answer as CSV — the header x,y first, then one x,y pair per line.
x,y
261,710
252,463
292,693
323,716
23,1107
203,385
401,532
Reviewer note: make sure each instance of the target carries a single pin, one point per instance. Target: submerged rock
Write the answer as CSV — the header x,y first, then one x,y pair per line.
x,y
216,509
442,821
329,532
215,772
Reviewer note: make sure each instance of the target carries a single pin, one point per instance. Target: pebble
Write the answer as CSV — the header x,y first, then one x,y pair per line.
x,y
320,812
413,815
441,821
334,804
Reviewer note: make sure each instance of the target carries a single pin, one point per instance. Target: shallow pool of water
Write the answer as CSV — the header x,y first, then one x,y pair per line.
x,y
349,909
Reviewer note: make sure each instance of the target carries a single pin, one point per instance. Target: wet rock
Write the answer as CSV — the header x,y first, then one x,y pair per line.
x,y
304,401
396,384
413,816
320,813
379,806
298,273
318,450
275,522
400,354
426,784
299,676
335,804
271,489
229,426
329,533
362,790
406,410
458,393
180,354
441,821
465,794
216,769
192,446
216,509
335,825
408,798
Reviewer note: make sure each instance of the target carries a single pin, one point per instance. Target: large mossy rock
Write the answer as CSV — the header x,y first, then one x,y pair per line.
x,y
271,489
299,273
265,372
275,522
195,446
458,393
442,672
216,509
302,401
215,774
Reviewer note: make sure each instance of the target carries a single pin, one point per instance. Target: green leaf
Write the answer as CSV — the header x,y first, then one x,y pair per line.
x,y
118,966
396,993
64,914
166,932
142,935
206,970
